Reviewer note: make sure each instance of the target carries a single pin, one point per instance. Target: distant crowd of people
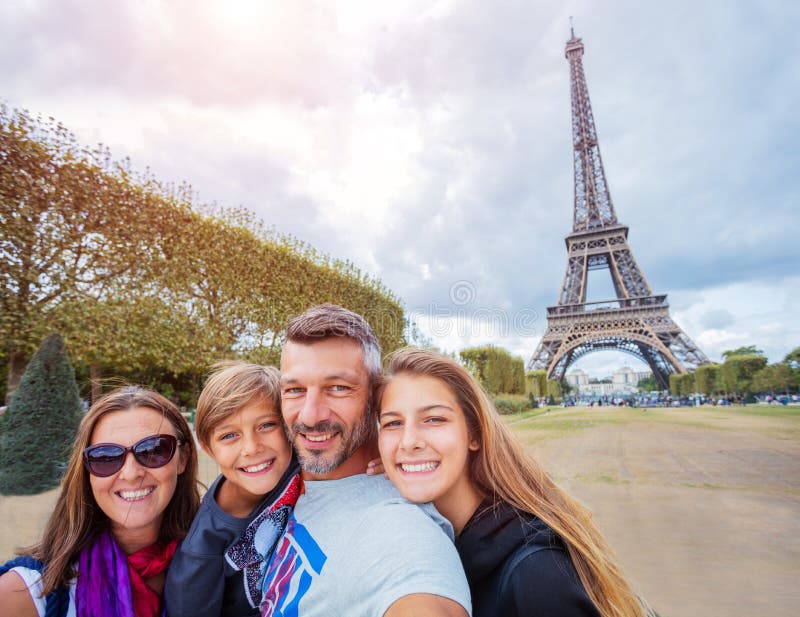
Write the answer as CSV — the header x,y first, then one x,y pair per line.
x,y
665,400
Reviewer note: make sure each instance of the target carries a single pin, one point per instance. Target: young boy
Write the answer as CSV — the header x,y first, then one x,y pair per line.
x,y
219,567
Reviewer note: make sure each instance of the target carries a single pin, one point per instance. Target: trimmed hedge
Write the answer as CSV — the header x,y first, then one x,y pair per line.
x,y
40,423
497,370
511,403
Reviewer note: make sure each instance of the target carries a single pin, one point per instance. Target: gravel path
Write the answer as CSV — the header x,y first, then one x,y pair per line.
x,y
702,506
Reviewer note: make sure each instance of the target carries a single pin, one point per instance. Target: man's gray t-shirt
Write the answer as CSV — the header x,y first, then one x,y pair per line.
x,y
353,547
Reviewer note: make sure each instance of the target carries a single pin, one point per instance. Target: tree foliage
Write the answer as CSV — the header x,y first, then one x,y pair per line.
x,y
648,384
776,379
536,383
748,350
554,390
136,274
496,369
793,358
40,423
706,378
736,373
538,386
682,384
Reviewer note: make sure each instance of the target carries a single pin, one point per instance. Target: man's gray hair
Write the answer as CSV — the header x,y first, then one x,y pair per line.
x,y
333,321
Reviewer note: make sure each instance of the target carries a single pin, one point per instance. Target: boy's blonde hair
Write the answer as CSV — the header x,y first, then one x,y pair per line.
x,y
230,387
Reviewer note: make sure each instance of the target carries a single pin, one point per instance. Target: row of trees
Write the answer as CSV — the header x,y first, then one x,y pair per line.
x,y
503,373
744,371
496,369
142,280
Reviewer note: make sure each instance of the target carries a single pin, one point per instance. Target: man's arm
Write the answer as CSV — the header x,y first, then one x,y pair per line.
x,y
404,563
425,605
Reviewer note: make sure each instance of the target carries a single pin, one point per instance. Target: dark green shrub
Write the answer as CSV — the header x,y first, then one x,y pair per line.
x,y
40,423
511,403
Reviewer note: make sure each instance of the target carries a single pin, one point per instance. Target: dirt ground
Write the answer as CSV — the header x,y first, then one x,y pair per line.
x,y
701,505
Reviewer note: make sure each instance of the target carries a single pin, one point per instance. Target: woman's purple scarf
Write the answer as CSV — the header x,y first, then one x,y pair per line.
x,y
104,587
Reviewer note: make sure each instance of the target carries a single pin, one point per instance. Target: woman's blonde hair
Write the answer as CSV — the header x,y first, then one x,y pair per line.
x,y
230,387
77,518
501,470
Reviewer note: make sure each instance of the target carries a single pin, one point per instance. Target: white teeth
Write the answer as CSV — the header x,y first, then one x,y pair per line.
x,y
259,467
320,437
134,495
429,466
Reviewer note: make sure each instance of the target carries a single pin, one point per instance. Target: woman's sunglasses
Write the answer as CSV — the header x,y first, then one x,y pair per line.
x,y
106,459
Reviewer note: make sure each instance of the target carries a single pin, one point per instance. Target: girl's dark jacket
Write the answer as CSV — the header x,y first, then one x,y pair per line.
x,y
516,566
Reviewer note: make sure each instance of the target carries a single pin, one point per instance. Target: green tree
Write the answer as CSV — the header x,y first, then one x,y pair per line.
x,y
648,384
737,372
706,378
554,391
674,384
682,384
749,350
73,223
793,358
687,384
536,383
775,379
138,276
40,423
496,369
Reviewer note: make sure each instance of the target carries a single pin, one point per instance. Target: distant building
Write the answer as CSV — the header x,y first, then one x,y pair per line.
x,y
627,376
624,381
577,378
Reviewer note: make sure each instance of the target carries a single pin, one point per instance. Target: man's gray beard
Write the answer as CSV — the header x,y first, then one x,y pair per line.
x,y
315,461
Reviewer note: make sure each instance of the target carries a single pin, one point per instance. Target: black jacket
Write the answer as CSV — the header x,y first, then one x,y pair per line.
x,y
200,582
517,567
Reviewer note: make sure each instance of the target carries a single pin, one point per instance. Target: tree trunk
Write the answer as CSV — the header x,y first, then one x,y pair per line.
x,y
16,367
95,377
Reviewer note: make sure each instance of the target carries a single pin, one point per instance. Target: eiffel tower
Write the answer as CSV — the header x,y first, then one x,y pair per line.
x,y
637,321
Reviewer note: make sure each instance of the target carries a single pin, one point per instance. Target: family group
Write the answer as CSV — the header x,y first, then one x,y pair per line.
x,y
345,489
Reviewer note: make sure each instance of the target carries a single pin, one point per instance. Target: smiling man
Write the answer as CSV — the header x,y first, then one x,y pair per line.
x,y
353,546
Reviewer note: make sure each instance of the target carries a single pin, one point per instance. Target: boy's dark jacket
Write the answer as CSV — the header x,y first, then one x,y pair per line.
x,y
200,581
516,566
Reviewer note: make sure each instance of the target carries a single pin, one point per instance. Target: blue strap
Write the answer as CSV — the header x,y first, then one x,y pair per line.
x,y
56,602
22,562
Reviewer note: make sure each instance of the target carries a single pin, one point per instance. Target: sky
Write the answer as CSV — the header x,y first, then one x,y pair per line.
x,y
429,142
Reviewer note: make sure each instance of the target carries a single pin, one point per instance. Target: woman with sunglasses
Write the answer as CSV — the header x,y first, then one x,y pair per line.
x,y
128,496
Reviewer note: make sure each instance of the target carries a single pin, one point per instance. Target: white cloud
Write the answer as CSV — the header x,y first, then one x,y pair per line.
x,y
430,142
760,313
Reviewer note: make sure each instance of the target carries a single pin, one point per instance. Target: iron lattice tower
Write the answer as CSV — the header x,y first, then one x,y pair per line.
x,y
637,321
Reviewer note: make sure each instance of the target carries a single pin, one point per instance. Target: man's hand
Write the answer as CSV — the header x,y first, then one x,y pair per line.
x,y
425,605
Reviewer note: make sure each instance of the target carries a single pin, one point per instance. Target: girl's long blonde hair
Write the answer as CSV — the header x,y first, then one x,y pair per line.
x,y
501,470
77,518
